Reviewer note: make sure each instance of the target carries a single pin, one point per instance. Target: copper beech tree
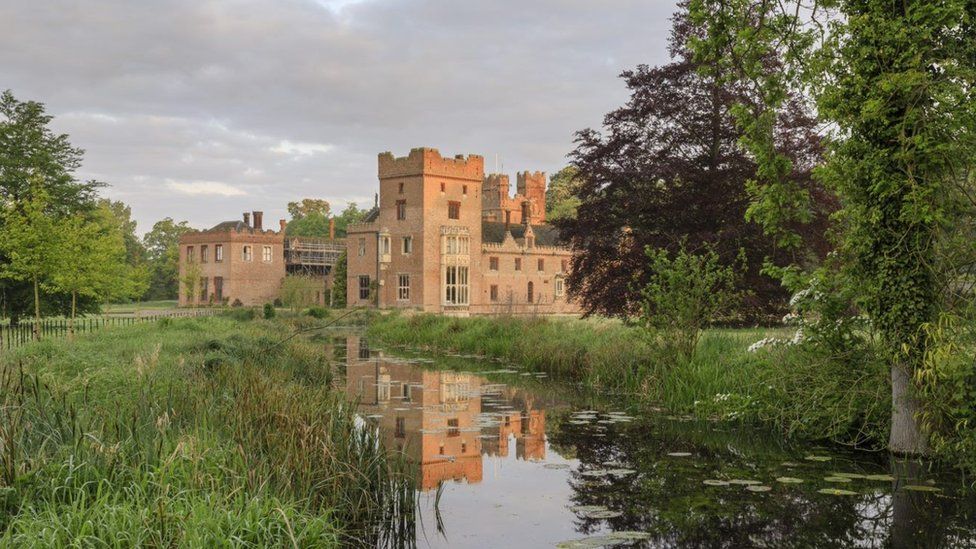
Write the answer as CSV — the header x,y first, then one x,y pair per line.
x,y
667,168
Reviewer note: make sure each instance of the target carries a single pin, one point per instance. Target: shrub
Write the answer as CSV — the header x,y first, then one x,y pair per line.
x,y
269,311
318,312
683,295
299,292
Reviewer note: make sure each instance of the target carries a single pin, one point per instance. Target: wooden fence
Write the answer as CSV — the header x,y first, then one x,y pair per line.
x,y
13,336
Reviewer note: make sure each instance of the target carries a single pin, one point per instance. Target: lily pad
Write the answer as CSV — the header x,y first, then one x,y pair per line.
x,y
556,466
837,479
595,473
837,492
758,488
880,478
921,488
620,472
744,482
594,542
848,475
818,458
629,536
790,480
604,514
587,508
715,482
679,454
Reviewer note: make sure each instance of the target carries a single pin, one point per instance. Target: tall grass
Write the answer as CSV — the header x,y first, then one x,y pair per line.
x,y
794,389
189,433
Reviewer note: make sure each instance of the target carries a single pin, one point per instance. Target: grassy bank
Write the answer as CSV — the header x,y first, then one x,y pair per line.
x,y
844,399
188,433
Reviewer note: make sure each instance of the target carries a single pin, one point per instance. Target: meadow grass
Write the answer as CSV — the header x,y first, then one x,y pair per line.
x,y
203,432
793,389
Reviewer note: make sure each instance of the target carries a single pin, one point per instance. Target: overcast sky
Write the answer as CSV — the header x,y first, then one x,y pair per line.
x,y
202,109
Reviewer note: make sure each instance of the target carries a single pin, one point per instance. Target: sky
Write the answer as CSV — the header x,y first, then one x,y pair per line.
x,y
200,109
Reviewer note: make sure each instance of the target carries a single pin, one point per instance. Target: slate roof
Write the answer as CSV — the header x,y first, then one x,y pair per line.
x,y
372,215
545,235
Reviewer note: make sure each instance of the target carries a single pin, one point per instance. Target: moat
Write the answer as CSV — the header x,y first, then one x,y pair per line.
x,y
508,458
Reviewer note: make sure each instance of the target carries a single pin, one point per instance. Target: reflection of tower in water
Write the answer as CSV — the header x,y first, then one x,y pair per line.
x,y
436,417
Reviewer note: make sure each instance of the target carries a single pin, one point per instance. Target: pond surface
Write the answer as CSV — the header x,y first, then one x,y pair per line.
x,y
508,458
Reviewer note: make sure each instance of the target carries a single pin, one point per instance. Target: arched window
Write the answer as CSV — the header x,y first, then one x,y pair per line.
x,y
531,291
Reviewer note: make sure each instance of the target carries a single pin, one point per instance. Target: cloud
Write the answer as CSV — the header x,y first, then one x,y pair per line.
x,y
205,188
296,97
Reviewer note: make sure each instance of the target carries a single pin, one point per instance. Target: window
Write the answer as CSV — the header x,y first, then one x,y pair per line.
x,y
403,287
455,285
401,188
266,255
518,263
401,206
204,290
531,292
385,245
219,253
493,293
362,247
219,288
454,210
525,212
530,241
204,253
542,265
560,287
493,263
443,187
363,286
248,254
401,427
564,266
457,245
189,254
464,189
508,217
405,388
453,428
407,245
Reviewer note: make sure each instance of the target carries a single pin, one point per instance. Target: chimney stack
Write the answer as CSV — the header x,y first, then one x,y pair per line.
x,y
257,221
282,223
247,219
332,228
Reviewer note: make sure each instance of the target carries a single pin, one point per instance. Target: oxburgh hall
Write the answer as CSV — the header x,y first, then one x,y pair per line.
x,y
443,238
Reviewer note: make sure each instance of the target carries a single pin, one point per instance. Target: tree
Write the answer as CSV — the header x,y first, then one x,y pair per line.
x,y
163,252
339,282
316,223
29,243
309,206
33,157
668,168
90,260
561,199
895,81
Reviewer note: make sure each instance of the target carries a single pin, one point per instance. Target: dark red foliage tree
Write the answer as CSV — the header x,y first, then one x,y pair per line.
x,y
667,168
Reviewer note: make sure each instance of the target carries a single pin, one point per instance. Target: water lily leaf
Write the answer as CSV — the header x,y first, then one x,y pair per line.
x,y
629,536
818,458
880,478
587,508
848,475
789,464
556,466
837,479
679,454
595,473
743,482
837,492
604,514
620,472
586,543
921,488
758,488
715,482
790,480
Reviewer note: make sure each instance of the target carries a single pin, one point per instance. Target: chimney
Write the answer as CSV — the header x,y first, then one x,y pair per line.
x,y
257,221
247,219
282,224
332,228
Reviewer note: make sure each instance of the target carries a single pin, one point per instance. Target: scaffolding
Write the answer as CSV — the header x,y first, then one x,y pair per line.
x,y
312,256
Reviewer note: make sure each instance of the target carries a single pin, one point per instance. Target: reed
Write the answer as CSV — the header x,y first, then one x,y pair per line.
x,y
190,433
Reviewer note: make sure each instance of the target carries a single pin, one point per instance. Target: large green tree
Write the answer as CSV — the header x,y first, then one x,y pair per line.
x,y
561,199
314,222
35,159
163,253
895,85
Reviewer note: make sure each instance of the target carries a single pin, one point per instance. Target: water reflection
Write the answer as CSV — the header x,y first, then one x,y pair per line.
x,y
587,474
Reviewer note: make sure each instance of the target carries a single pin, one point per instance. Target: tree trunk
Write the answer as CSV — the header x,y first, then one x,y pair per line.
x,y
907,437
71,322
37,310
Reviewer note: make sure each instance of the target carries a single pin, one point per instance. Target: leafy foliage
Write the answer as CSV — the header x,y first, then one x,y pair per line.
x,y
163,252
669,167
339,281
561,199
685,293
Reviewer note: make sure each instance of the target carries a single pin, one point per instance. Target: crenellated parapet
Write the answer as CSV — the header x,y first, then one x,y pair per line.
x,y
428,161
